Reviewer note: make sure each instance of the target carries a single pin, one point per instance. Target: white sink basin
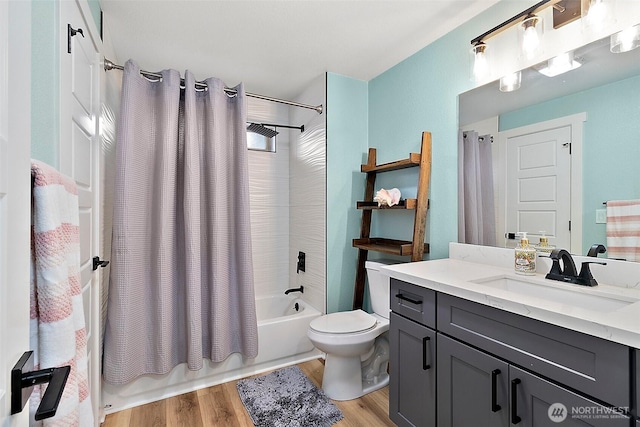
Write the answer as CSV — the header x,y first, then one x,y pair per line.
x,y
567,294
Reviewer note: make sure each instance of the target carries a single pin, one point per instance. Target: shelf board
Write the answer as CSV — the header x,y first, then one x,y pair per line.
x,y
403,204
387,246
412,161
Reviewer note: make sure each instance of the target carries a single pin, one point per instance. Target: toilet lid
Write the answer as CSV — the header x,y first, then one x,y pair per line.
x,y
345,322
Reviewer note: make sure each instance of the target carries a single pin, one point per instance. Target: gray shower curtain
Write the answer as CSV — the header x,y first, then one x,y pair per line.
x,y
476,211
181,286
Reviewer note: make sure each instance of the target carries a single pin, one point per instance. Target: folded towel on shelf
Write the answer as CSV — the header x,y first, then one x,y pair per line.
x,y
623,229
387,197
58,334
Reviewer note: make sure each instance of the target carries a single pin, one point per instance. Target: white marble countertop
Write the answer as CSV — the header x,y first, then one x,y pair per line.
x,y
458,278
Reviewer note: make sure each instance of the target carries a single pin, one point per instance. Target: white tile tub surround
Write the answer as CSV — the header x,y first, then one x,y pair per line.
x,y
269,202
455,276
307,195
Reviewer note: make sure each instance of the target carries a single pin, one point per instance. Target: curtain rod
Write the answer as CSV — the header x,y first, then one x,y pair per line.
x,y
108,65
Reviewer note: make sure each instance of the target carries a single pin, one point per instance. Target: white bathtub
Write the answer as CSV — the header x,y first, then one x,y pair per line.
x,y
282,341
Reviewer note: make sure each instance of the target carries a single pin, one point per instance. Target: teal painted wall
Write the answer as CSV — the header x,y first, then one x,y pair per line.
x,y
45,97
45,77
347,119
421,93
611,144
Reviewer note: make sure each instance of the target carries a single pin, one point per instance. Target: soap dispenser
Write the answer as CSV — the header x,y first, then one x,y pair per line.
x,y
543,246
525,256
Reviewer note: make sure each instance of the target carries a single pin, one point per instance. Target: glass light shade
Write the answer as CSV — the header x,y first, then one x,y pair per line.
x,y
560,64
626,40
511,82
597,14
479,62
531,36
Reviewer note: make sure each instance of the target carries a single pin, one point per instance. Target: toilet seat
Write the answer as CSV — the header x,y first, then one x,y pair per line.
x,y
345,322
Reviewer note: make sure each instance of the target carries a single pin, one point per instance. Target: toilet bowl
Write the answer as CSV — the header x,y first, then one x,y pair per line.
x,y
356,343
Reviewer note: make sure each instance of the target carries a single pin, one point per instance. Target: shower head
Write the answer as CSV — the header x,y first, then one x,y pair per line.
x,y
261,130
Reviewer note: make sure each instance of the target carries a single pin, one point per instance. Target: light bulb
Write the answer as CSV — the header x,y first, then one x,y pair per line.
x,y
626,40
530,37
597,14
560,64
510,82
480,63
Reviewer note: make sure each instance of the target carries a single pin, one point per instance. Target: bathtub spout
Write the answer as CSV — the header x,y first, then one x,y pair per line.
x,y
300,289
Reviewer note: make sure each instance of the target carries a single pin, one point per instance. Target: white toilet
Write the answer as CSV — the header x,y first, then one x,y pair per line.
x,y
356,343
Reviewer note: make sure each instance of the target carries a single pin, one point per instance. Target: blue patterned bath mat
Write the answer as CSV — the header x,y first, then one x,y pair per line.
x,y
287,398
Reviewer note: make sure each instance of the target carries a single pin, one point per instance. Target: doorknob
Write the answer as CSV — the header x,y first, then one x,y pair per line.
x,y
97,262
24,378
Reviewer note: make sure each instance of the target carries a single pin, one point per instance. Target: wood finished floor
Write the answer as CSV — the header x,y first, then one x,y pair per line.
x,y
221,406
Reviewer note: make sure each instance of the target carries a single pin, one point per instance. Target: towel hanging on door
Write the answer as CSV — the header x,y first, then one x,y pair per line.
x,y
58,334
623,229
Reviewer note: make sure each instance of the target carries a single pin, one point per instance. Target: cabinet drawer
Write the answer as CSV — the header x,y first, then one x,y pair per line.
x,y
594,366
413,302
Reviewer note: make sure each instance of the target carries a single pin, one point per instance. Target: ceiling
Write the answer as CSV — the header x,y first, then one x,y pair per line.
x,y
277,48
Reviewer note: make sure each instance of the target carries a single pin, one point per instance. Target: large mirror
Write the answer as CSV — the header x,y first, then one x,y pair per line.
x,y
599,104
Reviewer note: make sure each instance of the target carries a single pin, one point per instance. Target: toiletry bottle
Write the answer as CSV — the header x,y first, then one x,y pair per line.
x,y
525,256
544,246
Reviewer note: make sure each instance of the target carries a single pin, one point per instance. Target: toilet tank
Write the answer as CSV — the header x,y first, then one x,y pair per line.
x,y
379,286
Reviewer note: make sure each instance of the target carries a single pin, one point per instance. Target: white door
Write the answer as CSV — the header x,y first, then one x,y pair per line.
x,y
79,151
15,147
538,185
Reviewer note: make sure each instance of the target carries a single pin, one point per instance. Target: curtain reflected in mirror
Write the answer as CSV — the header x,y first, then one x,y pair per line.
x,y
476,218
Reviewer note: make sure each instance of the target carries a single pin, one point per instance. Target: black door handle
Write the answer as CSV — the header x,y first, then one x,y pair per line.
x,y
23,379
515,419
494,392
97,262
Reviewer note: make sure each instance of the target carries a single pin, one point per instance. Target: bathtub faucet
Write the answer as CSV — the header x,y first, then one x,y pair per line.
x,y
300,289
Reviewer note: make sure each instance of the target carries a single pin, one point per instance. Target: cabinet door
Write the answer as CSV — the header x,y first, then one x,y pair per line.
x,y
538,403
472,386
412,368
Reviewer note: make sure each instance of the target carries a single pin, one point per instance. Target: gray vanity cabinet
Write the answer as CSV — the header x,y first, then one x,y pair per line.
x,y
494,368
472,386
412,373
535,402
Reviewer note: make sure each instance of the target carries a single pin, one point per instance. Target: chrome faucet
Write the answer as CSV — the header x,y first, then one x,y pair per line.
x,y
567,272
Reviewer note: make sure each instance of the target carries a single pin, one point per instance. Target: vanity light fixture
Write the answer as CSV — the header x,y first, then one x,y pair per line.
x,y
560,64
530,32
626,40
511,82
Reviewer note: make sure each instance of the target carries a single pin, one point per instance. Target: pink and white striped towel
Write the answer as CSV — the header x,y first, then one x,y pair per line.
x,y
623,229
57,329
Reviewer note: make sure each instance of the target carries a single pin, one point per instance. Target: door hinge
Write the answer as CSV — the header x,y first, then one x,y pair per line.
x,y
567,144
569,225
70,33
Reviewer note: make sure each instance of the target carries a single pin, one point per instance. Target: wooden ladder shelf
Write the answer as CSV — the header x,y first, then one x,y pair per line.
x,y
415,248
